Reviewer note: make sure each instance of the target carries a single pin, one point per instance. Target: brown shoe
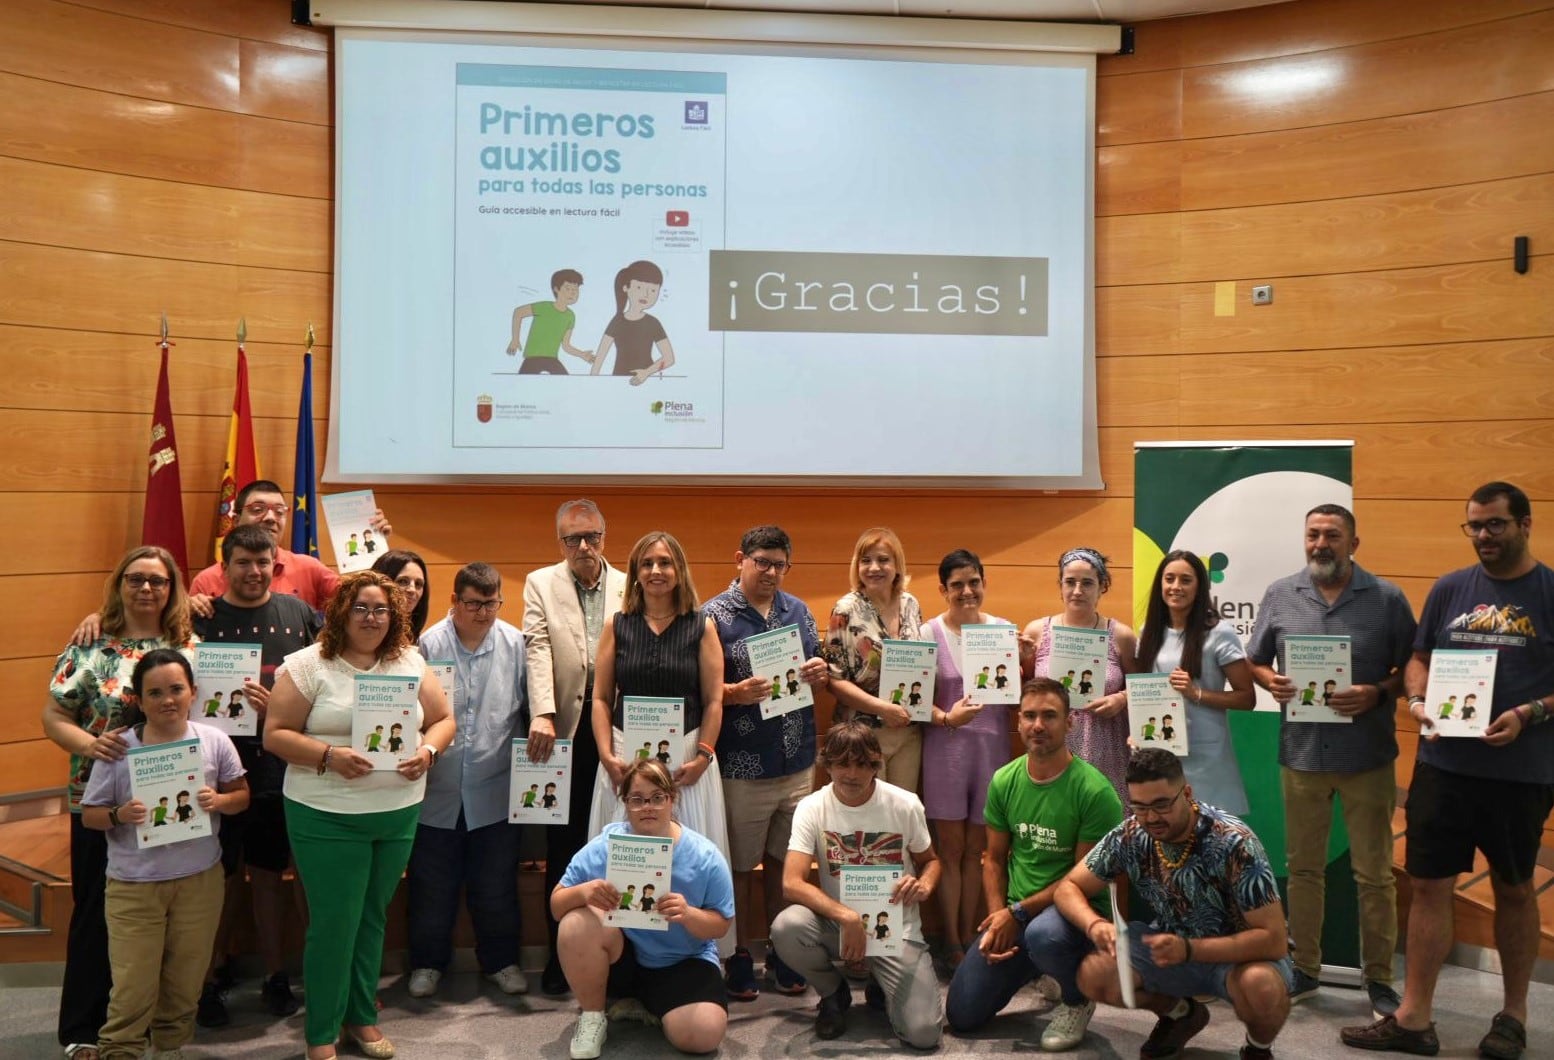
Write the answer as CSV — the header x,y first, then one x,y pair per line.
x,y
1506,1038
1388,1035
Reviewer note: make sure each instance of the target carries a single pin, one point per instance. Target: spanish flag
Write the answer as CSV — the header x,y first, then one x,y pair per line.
x,y
242,463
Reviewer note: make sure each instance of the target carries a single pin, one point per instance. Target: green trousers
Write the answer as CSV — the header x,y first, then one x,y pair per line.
x,y
350,864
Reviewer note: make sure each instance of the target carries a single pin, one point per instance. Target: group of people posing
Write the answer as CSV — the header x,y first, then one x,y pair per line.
x,y
1017,855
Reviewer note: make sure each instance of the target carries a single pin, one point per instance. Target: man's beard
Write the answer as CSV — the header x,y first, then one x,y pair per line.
x,y
1328,571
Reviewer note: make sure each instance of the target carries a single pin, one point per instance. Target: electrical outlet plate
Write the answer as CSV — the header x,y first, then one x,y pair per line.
x,y
1262,294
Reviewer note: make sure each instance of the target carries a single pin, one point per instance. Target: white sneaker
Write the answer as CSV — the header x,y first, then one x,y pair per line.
x,y
423,982
510,980
588,1038
1067,1027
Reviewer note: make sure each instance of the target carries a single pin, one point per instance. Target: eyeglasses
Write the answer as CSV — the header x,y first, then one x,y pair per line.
x,y
592,539
763,564
140,581
1158,808
361,611
1493,527
479,607
414,584
657,800
258,508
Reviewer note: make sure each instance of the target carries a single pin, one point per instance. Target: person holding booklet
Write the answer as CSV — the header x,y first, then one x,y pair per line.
x,y
767,763
248,612
860,820
1334,596
876,608
351,826
1219,927
1183,637
464,841
673,973
1492,792
661,645
1099,733
964,746
162,902
144,607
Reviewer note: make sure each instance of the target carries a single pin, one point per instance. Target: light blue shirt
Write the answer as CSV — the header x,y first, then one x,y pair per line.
x,y
1210,765
487,699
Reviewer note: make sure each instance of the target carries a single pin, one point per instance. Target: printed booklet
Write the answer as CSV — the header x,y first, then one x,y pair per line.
x,y
866,889
347,517
776,657
638,868
1461,691
654,728
220,670
541,791
1077,661
167,777
990,663
384,725
907,672
1318,667
1157,713
447,673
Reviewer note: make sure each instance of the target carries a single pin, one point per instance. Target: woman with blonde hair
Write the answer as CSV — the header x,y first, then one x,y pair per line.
x,y
876,609
661,645
144,608
351,825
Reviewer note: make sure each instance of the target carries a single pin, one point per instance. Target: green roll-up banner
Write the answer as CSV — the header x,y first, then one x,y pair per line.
x,y
1241,507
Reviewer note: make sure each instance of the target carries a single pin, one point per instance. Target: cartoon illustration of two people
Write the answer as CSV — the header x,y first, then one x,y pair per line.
x,y
633,332
546,801
355,546
183,813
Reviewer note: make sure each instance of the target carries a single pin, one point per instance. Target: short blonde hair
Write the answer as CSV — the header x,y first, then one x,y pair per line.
x,y
871,538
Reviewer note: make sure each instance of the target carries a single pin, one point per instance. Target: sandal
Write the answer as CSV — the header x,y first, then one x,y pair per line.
x,y
1506,1040
81,1051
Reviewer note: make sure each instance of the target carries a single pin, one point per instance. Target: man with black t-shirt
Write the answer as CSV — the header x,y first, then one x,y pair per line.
x,y
249,613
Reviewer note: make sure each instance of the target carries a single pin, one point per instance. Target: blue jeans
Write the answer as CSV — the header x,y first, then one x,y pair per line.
x,y
1050,945
484,863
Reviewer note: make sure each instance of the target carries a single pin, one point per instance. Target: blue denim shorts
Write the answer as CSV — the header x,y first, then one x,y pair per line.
x,y
1192,979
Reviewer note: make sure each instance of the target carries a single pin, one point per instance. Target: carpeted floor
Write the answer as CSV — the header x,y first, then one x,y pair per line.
x,y
471,1020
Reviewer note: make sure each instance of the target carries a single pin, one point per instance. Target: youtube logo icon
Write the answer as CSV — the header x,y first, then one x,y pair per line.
x,y
677,218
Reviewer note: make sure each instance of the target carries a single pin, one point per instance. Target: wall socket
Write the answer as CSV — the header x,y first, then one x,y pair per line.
x,y
1262,294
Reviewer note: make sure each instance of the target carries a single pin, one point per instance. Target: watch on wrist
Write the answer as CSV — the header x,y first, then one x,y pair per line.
x,y
1022,915
113,816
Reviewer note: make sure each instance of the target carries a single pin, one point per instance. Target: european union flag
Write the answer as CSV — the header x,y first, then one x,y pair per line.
x,y
304,523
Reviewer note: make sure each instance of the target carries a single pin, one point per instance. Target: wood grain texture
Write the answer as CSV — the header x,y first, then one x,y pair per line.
x,y
263,20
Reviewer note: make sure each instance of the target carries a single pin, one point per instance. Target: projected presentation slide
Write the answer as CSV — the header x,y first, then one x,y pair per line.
x,y
590,262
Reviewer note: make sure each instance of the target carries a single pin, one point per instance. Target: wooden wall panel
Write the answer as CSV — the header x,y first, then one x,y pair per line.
x,y
83,371
264,20
65,206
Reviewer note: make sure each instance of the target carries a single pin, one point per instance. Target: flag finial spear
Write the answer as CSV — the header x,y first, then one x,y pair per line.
x,y
310,337
163,341
242,329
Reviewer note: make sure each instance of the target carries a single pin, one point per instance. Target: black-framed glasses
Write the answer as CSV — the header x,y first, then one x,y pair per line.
x,y
593,539
762,564
140,581
477,607
657,800
1493,527
361,612
1158,808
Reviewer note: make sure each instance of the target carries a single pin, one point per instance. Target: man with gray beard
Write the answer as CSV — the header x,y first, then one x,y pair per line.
x,y
1353,760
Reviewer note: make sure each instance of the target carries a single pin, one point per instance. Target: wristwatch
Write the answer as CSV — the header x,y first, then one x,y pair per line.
x,y
1022,915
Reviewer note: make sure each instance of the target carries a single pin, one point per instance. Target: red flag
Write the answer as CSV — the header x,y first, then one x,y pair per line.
x,y
242,463
162,522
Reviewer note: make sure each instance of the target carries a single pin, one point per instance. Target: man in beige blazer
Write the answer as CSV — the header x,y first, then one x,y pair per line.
x,y
565,607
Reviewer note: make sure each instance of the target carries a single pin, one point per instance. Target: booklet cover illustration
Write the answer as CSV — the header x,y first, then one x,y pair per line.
x,y
1157,713
540,792
990,663
166,777
383,721
220,671
637,866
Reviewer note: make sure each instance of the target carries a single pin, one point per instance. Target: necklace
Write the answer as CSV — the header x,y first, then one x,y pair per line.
x,y
1177,862
657,618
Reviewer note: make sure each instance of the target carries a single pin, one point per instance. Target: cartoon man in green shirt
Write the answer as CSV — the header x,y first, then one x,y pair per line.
x,y
551,330
375,739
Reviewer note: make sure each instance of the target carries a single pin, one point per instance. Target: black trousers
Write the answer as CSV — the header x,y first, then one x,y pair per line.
x,y
83,999
565,840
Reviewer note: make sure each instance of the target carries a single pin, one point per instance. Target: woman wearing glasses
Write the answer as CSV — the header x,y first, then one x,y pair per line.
x,y
351,827
1183,637
673,974
144,608
661,645
877,608
408,570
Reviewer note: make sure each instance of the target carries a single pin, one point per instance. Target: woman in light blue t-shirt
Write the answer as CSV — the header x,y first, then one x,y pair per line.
x,y
1183,637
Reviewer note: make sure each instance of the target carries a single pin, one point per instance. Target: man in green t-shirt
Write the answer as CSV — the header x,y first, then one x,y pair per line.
x,y
551,330
1045,810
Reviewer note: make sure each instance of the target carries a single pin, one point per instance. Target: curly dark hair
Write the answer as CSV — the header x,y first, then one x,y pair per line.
x,y
337,612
